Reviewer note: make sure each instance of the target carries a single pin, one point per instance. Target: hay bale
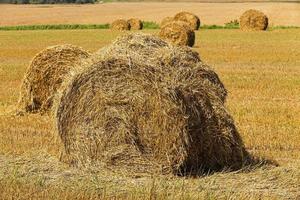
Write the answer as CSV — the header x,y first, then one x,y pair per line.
x,y
139,118
45,74
253,20
189,18
135,24
120,25
166,20
178,33
138,46
150,50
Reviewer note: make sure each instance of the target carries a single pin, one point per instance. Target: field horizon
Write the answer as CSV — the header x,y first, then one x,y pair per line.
x,y
209,13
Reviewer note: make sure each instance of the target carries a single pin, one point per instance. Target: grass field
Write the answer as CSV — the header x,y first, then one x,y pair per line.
x,y
261,71
280,14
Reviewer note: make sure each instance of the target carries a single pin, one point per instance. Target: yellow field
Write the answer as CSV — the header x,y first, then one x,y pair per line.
x,y
287,14
261,71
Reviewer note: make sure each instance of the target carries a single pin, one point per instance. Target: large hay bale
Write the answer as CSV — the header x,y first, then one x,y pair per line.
x,y
135,24
253,20
45,74
189,18
150,50
166,20
178,33
139,118
120,25
138,46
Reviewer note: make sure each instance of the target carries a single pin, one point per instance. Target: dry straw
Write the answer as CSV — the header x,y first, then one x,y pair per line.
x,y
120,25
253,20
189,18
45,74
178,33
143,111
166,20
150,50
135,24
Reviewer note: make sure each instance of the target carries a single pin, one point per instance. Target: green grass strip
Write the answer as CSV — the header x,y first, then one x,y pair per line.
x,y
220,27
150,25
283,27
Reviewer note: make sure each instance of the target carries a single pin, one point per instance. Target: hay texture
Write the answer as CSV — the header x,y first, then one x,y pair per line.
x,y
120,25
150,50
178,33
137,117
135,24
253,20
192,20
45,74
166,20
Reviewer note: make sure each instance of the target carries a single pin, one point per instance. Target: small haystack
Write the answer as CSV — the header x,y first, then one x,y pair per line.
x,y
253,20
189,18
45,74
166,20
178,33
135,24
134,117
120,25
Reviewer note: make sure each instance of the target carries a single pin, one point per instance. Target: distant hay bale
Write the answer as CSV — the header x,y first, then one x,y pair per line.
x,y
253,20
166,20
45,74
134,117
178,33
135,24
189,18
120,25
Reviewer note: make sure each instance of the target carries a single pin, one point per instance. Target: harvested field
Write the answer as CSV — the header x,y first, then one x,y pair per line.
x,y
209,13
263,97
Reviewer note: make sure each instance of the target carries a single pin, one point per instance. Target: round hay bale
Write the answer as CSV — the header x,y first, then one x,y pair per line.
x,y
120,25
45,75
189,18
151,50
166,20
253,20
178,33
135,24
139,118
138,46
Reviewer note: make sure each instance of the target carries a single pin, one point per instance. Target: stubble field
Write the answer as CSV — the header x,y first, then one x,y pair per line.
x,y
261,71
